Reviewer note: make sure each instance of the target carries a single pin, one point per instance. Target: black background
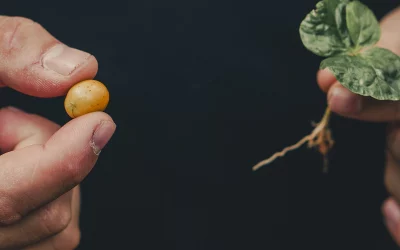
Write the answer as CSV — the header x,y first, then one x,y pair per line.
x,y
200,92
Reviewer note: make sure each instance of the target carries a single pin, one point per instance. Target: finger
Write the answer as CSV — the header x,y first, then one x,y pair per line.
x,y
392,175
390,38
34,62
392,169
68,238
391,213
41,224
35,175
390,208
19,129
325,79
347,104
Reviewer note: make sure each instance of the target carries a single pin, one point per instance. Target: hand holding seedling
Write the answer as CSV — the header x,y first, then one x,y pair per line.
x,y
361,76
345,33
348,104
43,164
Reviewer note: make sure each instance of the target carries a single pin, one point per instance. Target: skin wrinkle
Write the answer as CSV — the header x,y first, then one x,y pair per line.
x,y
2,24
7,201
47,213
37,239
12,41
57,214
12,37
26,197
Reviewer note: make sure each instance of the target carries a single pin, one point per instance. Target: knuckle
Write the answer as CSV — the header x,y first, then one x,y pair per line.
x,y
73,238
8,213
68,239
55,218
10,30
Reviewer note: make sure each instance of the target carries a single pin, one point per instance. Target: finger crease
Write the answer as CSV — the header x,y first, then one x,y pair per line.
x,y
12,37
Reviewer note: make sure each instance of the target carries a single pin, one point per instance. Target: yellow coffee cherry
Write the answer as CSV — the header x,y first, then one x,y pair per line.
x,y
86,97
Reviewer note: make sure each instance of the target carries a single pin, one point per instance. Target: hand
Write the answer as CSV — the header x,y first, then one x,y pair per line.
x,y
43,164
348,104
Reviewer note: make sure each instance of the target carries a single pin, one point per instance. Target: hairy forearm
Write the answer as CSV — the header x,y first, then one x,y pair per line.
x,y
390,27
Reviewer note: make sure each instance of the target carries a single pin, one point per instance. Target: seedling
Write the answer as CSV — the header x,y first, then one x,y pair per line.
x,y
345,33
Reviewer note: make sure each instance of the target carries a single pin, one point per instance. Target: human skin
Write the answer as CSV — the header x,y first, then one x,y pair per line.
x,y
42,163
347,104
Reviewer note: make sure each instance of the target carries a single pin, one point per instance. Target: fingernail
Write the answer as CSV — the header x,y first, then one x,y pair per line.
x,y
392,215
102,135
63,59
343,101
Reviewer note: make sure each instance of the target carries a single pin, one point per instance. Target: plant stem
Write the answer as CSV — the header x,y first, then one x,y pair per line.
x,y
320,136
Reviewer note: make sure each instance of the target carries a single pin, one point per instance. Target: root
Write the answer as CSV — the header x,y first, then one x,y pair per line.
x,y
321,136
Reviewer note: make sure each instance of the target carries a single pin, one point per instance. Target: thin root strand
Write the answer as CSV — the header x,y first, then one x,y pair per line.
x,y
320,136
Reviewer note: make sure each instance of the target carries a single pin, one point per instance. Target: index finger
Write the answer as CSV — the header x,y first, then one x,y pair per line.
x,y
35,63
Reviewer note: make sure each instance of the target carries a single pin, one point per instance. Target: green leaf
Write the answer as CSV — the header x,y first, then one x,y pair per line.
x,y
374,72
339,27
319,32
341,24
362,24
332,6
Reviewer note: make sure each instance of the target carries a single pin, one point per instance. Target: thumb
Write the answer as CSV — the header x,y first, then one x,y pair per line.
x,y
35,63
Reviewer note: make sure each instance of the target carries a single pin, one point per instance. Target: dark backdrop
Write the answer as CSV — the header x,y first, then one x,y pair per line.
x,y
201,91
